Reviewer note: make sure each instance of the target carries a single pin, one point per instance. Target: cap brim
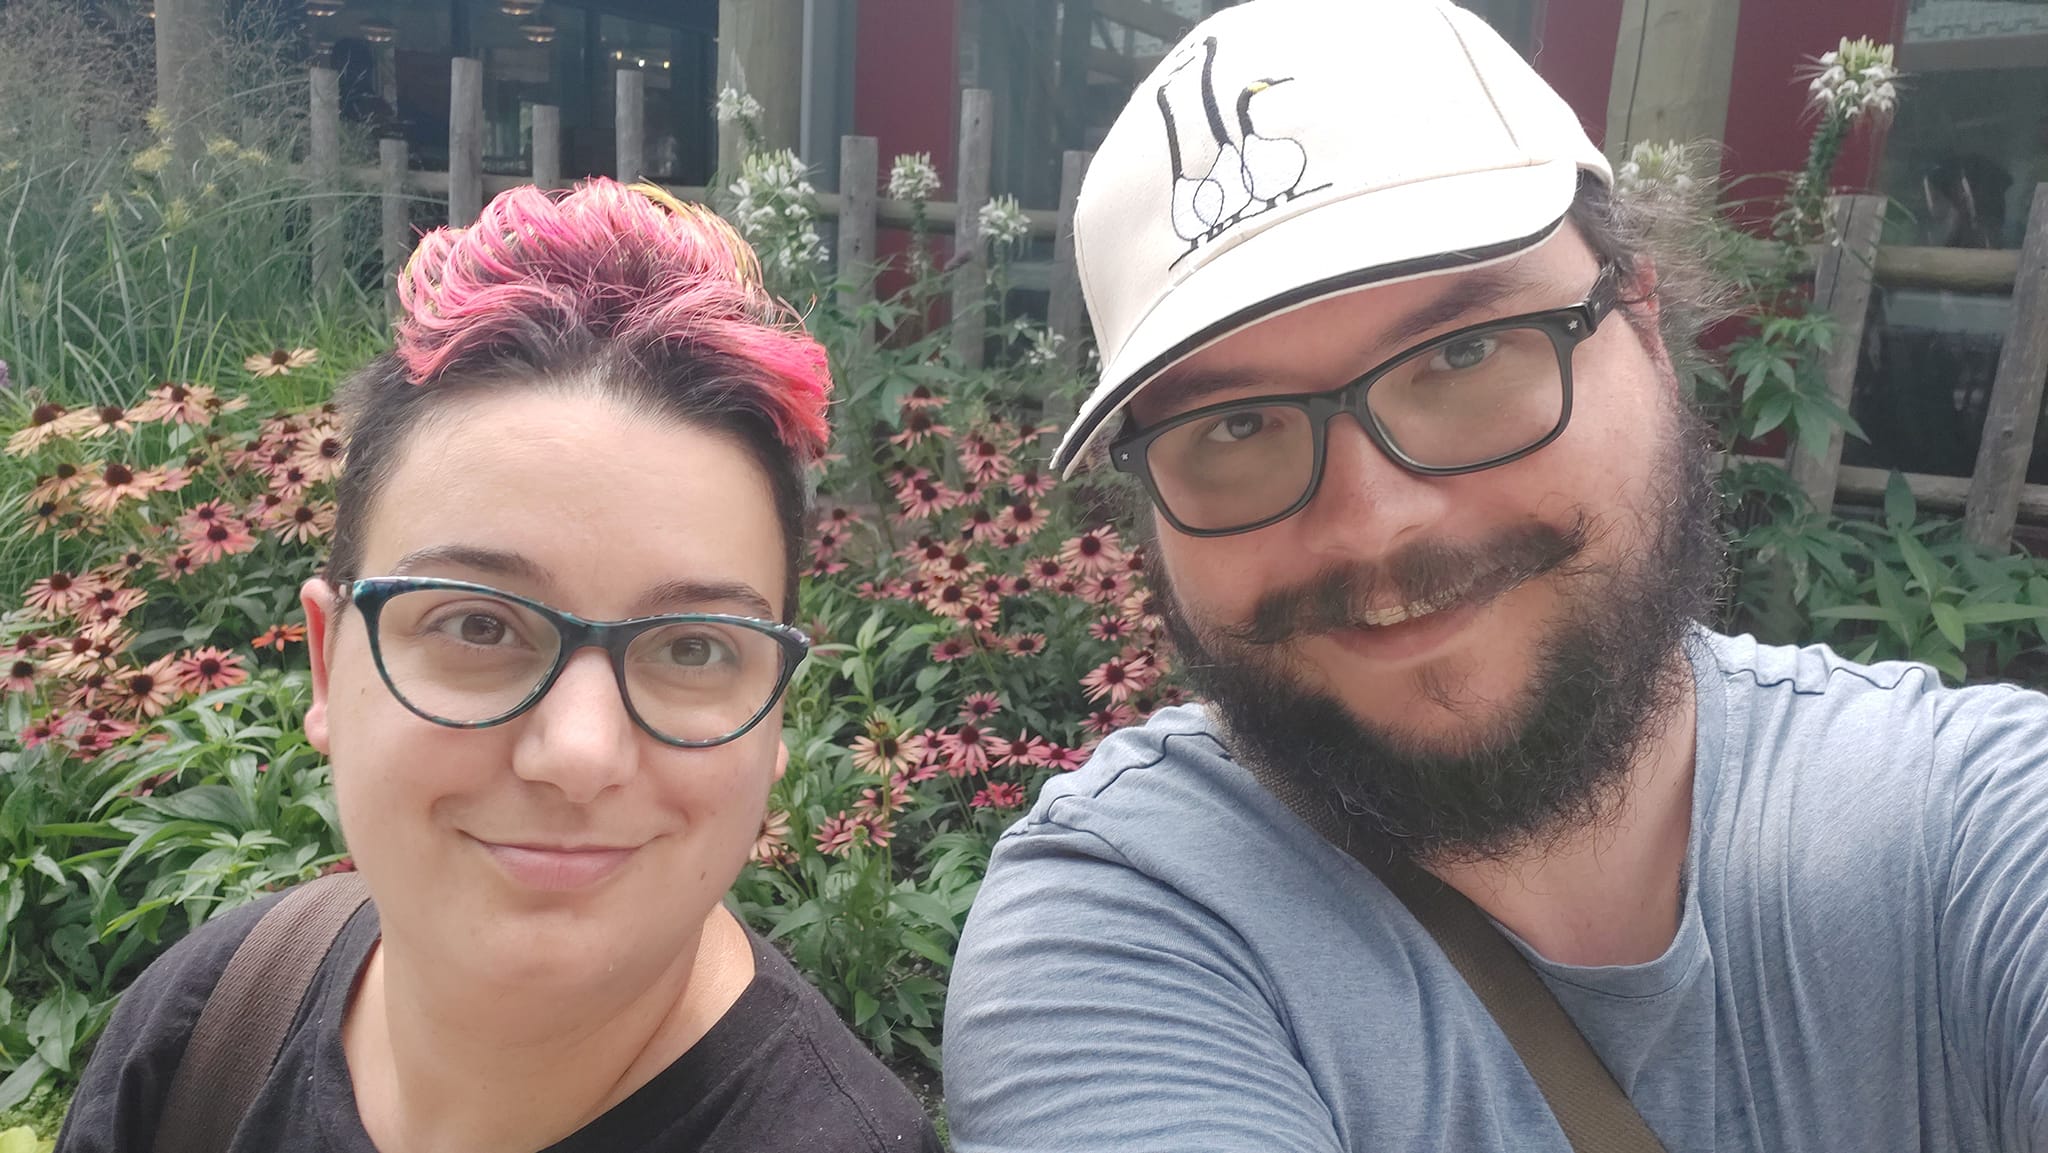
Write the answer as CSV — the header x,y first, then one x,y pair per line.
x,y
1405,232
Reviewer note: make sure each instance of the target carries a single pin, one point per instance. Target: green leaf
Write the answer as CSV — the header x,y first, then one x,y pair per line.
x,y
1900,509
1892,595
1771,413
1998,614
53,1026
1925,568
925,905
864,1007
72,945
23,1081
1857,613
927,948
1949,622
213,804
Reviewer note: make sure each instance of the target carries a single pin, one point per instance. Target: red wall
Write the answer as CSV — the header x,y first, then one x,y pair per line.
x,y
1774,39
904,79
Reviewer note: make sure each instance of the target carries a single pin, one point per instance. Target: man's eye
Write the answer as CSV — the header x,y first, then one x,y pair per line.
x,y
1460,355
1236,427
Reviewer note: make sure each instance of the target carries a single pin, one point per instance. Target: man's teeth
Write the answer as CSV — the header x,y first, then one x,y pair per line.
x,y
1381,618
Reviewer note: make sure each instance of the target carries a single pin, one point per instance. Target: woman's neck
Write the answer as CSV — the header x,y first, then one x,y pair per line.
x,y
441,1064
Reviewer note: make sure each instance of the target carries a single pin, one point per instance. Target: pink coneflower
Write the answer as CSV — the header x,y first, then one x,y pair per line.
x,y
106,418
1047,570
1103,722
1066,760
825,566
267,511
1112,679
920,398
980,525
949,600
827,543
306,522
102,735
1112,629
923,498
1022,749
917,425
223,538
171,479
21,676
1031,483
984,461
993,587
957,565
203,516
204,670
1105,588
41,732
322,456
291,481
951,649
66,479
999,795
1142,610
147,691
966,747
980,706
838,519
893,796
1027,644
1009,540
116,483
844,830
280,362
882,753
980,616
45,423
87,689
1019,586
178,565
1024,518
111,602
771,844
55,595
1091,553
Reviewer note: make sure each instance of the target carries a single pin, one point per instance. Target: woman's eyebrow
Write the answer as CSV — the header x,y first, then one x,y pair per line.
x,y
683,594
497,562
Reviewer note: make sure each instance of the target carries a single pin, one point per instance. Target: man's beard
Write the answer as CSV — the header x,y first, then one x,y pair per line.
x,y
1555,761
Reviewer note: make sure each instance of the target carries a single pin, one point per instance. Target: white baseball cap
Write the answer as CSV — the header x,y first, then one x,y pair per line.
x,y
1286,151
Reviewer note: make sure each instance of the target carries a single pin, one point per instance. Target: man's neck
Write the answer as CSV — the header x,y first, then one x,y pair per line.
x,y
1612,894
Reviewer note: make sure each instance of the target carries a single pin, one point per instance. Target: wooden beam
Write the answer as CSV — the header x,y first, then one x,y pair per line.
x,y
761,53
465,140
1955,269
1932,493
1674,63
186,33
859,182
1065,309
629,124
396,214
2015,411
1146,17
970,259
1841,285
547,145
323,160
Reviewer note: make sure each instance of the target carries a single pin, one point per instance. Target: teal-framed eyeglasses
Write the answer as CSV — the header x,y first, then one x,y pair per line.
x,y
469,656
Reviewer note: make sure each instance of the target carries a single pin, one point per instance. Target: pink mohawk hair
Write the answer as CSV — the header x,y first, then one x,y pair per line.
x,y
634,266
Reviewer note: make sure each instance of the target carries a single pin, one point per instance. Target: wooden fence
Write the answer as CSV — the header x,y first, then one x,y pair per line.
x,y
1990,501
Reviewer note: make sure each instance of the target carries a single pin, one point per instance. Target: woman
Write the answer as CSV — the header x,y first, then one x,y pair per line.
x,y
548,656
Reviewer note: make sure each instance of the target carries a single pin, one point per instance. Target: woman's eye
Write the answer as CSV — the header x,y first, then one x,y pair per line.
x,y
1236,427
697,652
1460,355
475,628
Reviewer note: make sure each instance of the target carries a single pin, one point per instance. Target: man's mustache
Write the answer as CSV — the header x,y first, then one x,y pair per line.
x,y
1430,573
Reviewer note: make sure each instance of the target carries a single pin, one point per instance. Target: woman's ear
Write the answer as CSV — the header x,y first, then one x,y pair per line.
x,y
322,604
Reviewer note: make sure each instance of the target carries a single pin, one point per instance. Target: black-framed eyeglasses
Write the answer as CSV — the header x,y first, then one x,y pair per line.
x,y
1473,399
469,656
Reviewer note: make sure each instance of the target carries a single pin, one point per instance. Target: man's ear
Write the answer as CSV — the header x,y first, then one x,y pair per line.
x,y
321,603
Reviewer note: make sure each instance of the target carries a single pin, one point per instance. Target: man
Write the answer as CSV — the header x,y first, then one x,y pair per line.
x,y
1394,369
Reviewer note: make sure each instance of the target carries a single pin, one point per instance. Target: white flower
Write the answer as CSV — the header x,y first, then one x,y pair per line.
x,y
1045,347
1857,79
1668,168
776,209
735,105
1003,221
912,177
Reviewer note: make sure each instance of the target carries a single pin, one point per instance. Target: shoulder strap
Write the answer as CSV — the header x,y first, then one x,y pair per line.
x,y
242,1028
1596,1116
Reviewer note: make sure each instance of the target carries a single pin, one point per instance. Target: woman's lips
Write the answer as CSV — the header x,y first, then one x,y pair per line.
x,y
556,868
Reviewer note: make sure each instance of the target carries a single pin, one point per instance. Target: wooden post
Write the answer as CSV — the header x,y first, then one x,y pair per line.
x,y
397,222
859,177
970,261
1841,284
187,35
547,145
1064,306
465,140
1674,64
761,53
324,156
2015,395
630,125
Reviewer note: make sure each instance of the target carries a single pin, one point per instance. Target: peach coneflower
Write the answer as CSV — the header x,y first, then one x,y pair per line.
x,y
46,515
1024,518
45,423
999,795
307,522
885,752
771,844
280,362
55,595
1112,679
115,484
147,691
322,456
1093,552
204,670
291,481
178,565
980,706
917,425
278,636
21,676
1032,483
923,498
174,403
99,421
66,479
1027,644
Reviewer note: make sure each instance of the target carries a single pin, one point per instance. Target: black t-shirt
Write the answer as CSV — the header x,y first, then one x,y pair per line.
x,y
778,1072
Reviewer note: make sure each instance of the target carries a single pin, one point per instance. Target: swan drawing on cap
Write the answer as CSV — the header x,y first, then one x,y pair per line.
x,y
1249,175
1273,165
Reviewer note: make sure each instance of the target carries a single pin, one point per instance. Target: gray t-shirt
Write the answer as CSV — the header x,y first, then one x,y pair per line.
x,y
1165,958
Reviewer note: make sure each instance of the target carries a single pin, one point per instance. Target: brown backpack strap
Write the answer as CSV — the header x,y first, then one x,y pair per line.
x,y
242,1028
1596,1116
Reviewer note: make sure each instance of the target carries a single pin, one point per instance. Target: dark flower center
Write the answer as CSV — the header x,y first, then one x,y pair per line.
x,y
119,474
217,532
60,582
23,670
111,414
66,471
45,413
